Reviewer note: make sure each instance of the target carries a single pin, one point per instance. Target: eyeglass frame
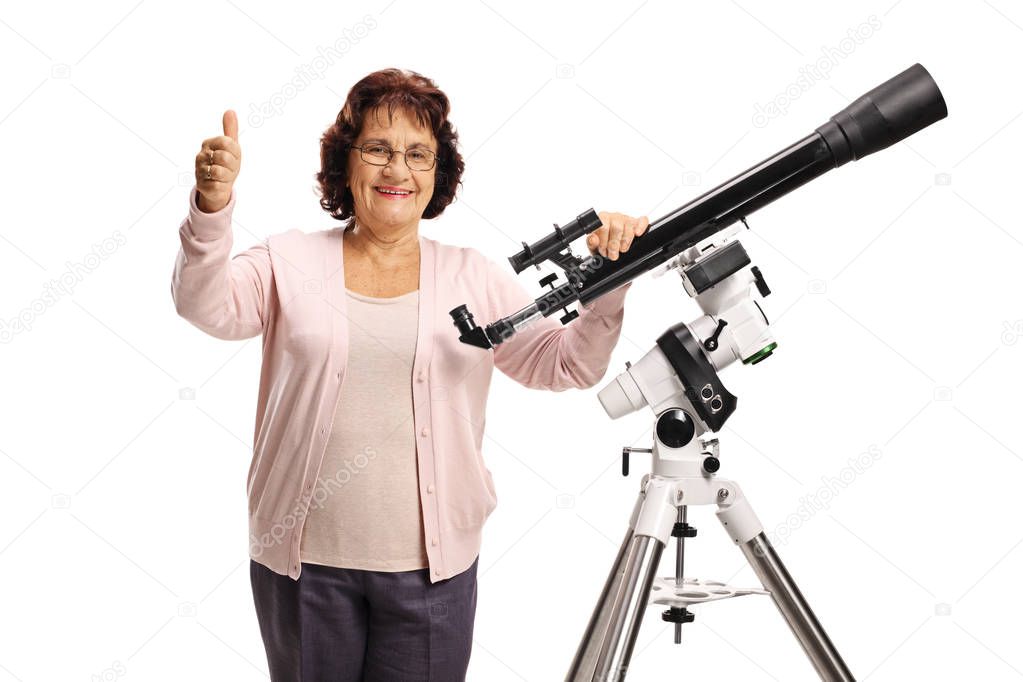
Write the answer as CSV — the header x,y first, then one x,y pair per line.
x,y
396,151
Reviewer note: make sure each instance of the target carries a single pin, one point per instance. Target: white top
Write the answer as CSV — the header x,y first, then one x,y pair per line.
x,y
365,511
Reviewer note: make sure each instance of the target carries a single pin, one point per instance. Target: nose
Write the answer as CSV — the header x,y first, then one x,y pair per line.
x,y
396,166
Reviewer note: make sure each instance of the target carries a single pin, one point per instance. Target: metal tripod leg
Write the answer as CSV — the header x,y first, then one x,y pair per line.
x,y
605,650
584,664
611,635
794,609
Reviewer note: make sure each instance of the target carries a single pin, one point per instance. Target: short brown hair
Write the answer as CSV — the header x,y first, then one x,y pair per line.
x,y
395,89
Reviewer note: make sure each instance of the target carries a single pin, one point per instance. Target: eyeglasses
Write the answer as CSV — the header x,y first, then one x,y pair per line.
x,y
380,155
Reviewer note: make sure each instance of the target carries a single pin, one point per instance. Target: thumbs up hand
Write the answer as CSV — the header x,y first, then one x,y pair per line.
x,y
217,165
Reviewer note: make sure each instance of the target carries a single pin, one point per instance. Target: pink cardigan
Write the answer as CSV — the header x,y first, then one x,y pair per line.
x,y
290,289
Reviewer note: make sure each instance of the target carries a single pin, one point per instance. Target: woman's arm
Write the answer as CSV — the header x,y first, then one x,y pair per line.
x,y
547,354
223,296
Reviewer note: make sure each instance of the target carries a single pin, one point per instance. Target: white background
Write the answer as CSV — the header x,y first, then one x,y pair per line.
x,y
123,540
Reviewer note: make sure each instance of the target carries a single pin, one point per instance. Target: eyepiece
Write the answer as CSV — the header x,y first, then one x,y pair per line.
x,y
463,320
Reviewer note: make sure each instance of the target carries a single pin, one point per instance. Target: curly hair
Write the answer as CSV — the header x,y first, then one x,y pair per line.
x,y
395,89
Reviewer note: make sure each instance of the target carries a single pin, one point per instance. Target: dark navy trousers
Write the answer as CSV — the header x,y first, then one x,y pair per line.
x,y
341,625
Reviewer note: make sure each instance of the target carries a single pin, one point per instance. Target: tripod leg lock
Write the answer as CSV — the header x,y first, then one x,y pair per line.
x,y
737,516
657,515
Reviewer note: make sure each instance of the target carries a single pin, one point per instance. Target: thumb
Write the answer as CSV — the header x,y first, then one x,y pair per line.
x,y
231,124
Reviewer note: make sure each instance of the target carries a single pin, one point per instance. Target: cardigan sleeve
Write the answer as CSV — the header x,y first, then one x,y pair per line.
x,y
225,297
547,354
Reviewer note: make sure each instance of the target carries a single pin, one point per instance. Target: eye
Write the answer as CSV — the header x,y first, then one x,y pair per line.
x,y
418,155
377,149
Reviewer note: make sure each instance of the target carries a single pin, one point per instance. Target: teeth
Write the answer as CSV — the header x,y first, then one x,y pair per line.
x,y
389,191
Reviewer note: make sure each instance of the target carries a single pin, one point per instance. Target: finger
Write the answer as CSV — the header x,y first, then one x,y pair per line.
x,y
597,241
223,157
227,144
217,157
231,124
220,157
208,173
614,240
223,142
602,232
602,241
214,187
637,228
631,225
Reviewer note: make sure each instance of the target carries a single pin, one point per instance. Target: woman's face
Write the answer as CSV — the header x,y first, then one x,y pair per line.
x,y
410,191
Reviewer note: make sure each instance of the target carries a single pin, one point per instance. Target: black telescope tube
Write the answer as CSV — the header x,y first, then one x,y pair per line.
x,y
887,114
711,212
891,112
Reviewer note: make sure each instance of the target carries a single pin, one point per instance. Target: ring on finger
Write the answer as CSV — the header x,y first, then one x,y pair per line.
x,y
209,172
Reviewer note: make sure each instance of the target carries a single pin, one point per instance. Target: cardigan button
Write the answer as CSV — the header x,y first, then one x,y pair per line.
x,y
425,432
434,542
422,375
430,488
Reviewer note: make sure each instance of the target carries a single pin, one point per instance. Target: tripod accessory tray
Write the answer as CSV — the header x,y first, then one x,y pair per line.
x,y
667,592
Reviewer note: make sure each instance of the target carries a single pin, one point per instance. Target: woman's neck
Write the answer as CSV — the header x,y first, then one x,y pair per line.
x,y
382,251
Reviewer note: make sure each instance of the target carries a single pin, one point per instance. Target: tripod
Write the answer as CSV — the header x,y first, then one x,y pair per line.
x,y
680,478
678,380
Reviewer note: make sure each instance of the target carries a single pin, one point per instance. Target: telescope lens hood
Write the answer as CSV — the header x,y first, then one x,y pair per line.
x,y
887,114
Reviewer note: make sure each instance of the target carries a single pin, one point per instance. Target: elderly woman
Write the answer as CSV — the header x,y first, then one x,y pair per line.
x,y
367,492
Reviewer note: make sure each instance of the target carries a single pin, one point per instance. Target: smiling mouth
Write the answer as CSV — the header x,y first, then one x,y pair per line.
x,y
392,193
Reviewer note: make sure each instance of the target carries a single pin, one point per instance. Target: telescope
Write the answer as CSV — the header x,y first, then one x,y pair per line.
x,y
891,112
678,378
